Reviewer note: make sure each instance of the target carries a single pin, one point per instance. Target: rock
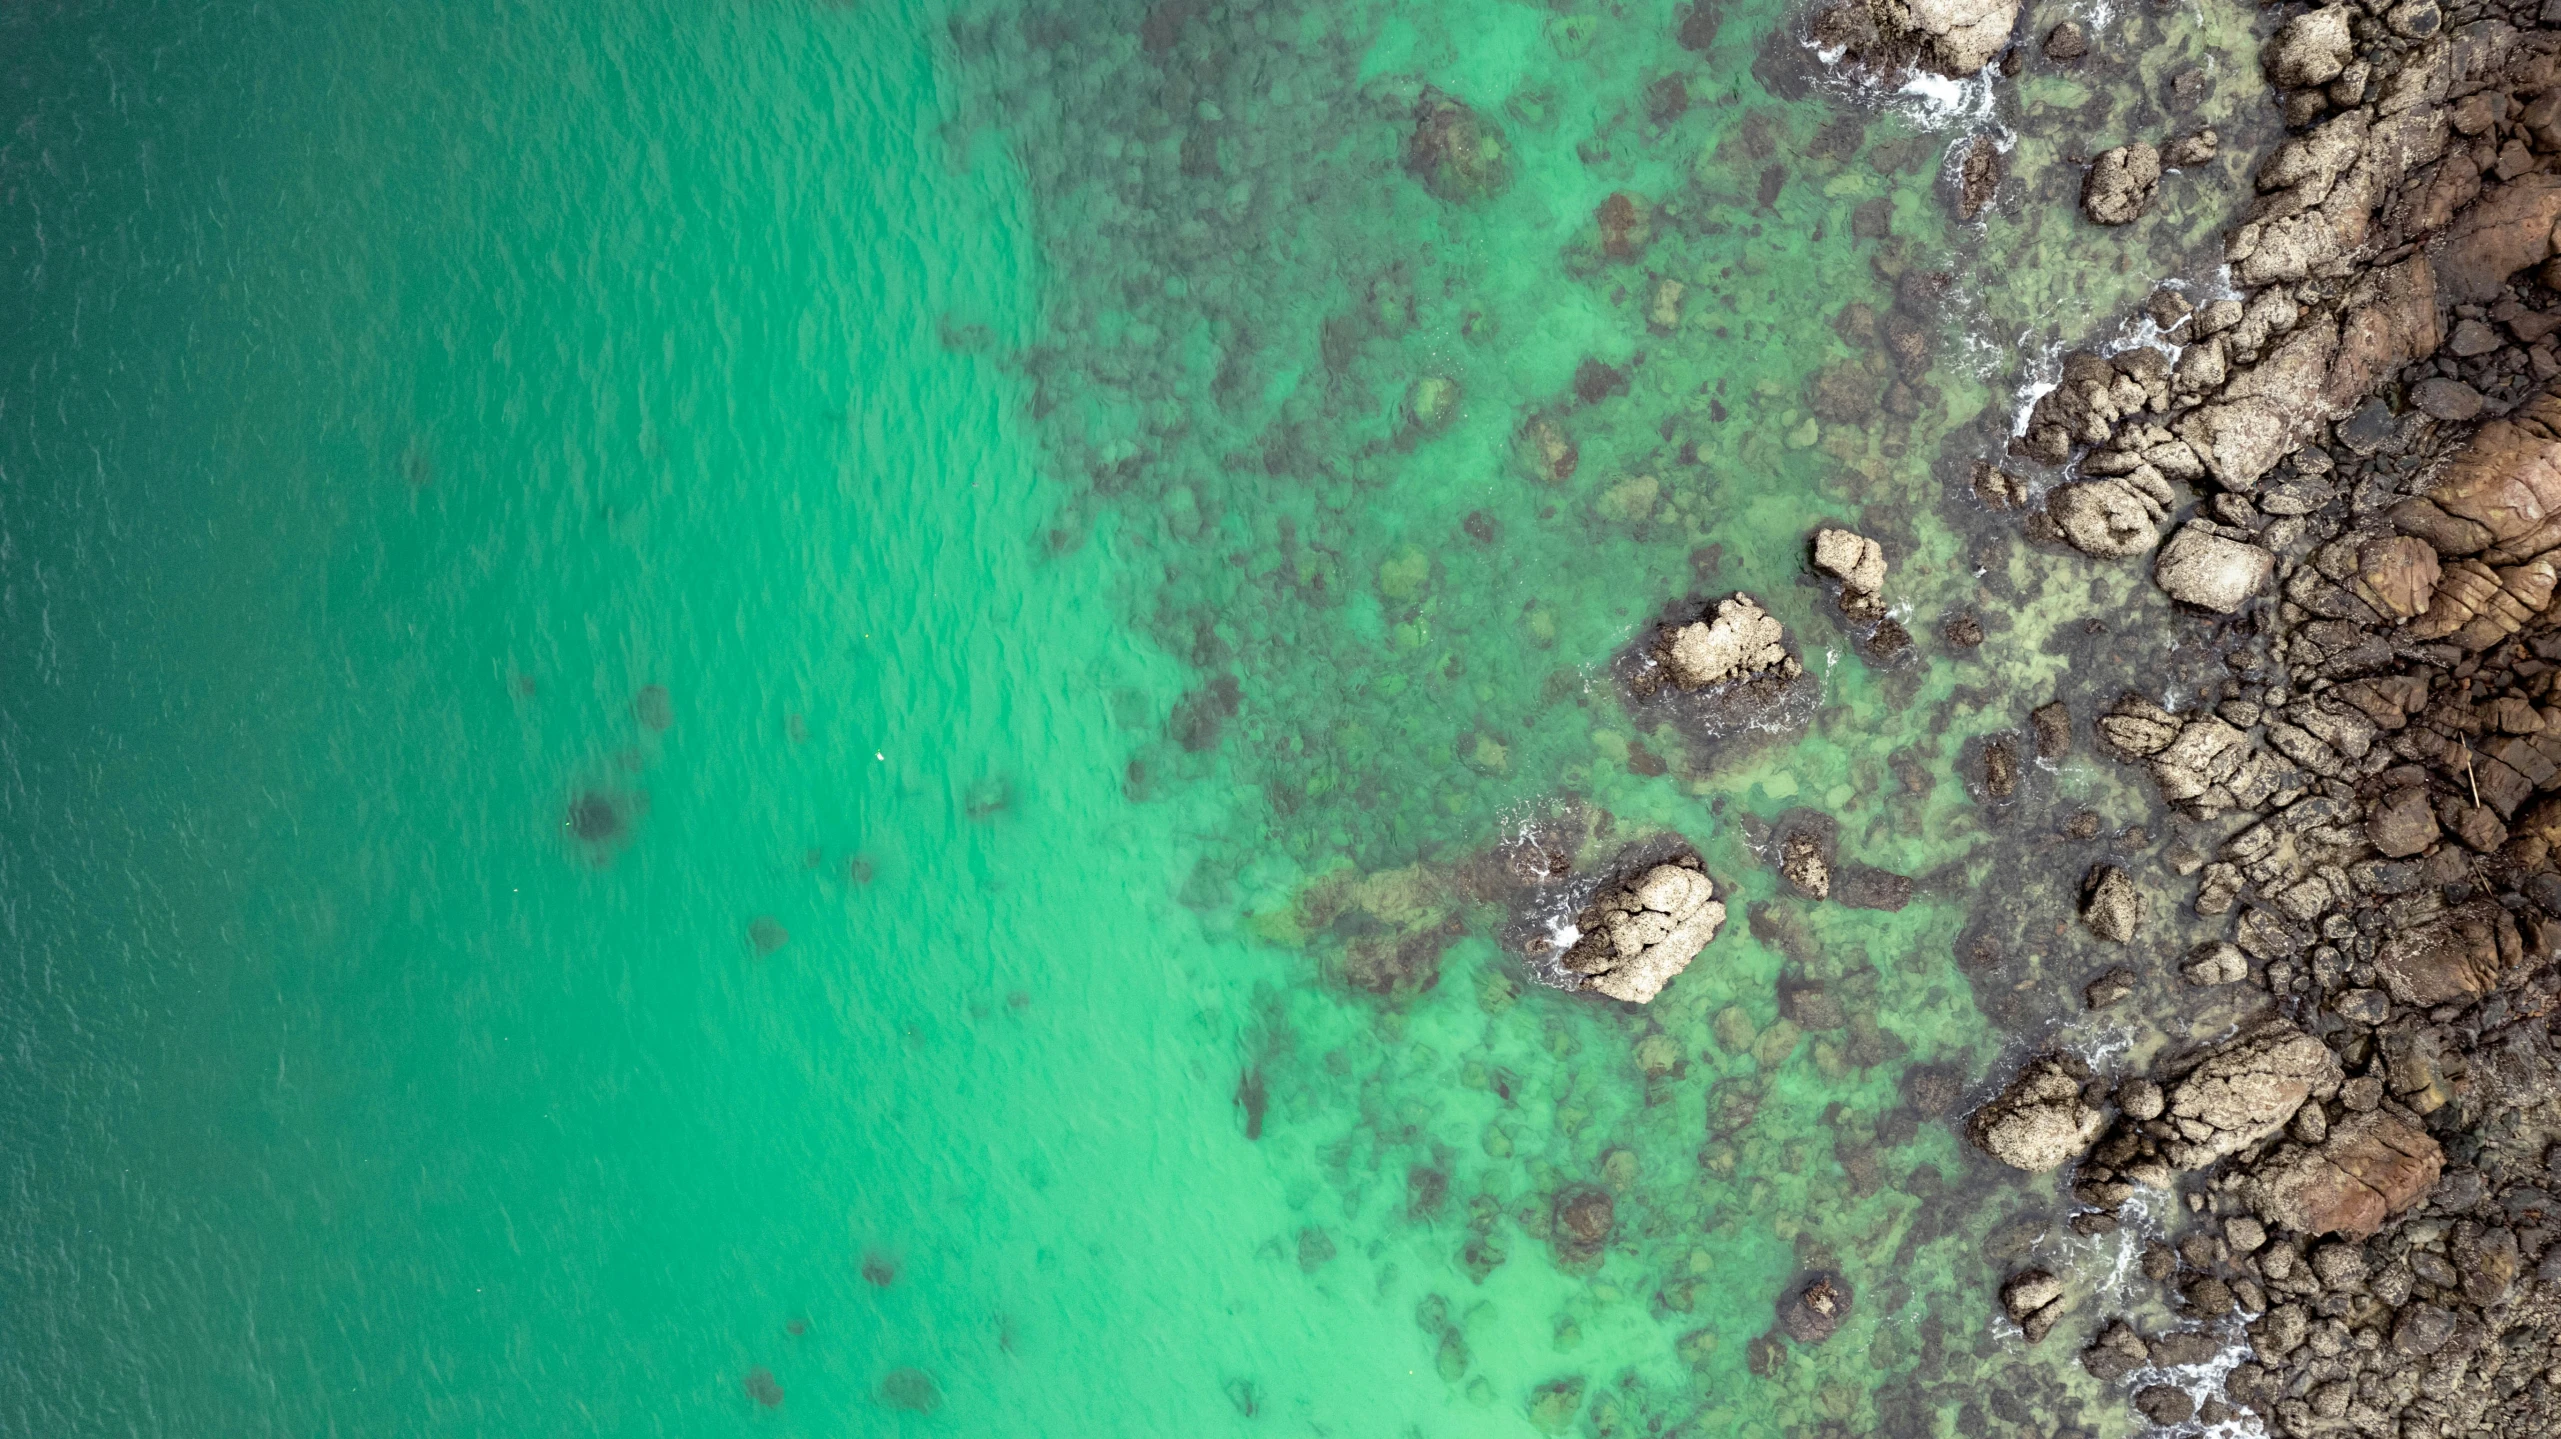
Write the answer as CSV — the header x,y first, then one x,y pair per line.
x,y
2403,823
2066,42
1455,152
2210,571
2471,338
2507,230
2165,1404
1978,176
1952,37
2108,988
2444,399
1639,934
1802,864
2245,1090
2455,959
2372,1165
1815,1310
2110,904
2121,184
2310,49
2051,723
2040,1120
2500,494
1860,886
1741,640
2141,1099
2398,575
2422,1329
1855,560
2105,518
2188,151
2033,1298
2115,1353
2215,962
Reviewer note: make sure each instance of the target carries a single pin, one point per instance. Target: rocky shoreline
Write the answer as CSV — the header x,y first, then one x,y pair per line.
x,y
2353,450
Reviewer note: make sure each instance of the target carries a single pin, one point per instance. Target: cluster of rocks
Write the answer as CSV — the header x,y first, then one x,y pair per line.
x,y
2366,1168
1893,37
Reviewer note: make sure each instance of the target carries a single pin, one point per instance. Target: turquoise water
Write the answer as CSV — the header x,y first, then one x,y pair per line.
x,y
717,712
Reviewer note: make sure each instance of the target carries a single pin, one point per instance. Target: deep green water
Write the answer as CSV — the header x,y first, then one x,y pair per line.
x,y
692,688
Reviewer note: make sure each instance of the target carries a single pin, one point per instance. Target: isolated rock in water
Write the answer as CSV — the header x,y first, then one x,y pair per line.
x,y
1815,1310
2210,571
2040,1121
2121,184
1740,640
1855,560
1978,176
2033,1298
1953,37
1639,934
2197,147
2372,1166
2245,1091
2066,42
2310,49
2111,906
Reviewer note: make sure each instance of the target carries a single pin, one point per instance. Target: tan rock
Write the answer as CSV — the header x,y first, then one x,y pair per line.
x,y
2500,496
2245,1091
2508,229
2040,1120
1638,935
1740,639
2398,576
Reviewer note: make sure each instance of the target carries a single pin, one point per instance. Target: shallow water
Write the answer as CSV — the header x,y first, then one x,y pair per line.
x,y
714,709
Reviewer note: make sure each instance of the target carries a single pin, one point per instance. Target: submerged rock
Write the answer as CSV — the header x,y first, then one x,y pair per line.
x,y
1458,154
2039,1121
1815,1310
1640,933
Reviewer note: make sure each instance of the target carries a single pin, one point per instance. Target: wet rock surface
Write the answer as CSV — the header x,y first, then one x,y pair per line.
x,y
1640,933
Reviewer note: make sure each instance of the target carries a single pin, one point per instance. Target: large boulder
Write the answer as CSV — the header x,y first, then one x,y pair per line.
x,y
1638,934
1738,641
2370,1167
2040,1121
2246,1090
2211,571
2107,518
2121,184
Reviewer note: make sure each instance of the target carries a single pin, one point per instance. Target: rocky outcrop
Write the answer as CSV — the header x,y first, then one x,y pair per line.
x,y
2040,1121
1949,37
1635,936
2368,1169
1740,641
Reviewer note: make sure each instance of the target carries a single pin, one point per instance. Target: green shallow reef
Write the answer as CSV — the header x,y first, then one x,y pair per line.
x,y
761,717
